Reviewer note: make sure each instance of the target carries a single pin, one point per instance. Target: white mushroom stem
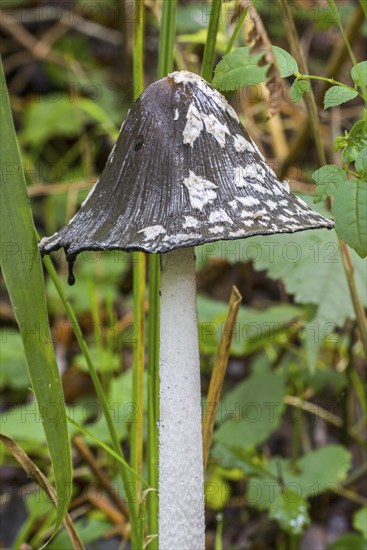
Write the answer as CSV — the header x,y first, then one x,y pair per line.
x,y
181,477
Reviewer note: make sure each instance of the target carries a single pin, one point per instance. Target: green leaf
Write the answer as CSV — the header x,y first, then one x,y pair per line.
x,y
361,162
13,373
349,209
251,412
290,511
359,74
310,267
320,470
22,269
239,68
286,64
298,88
217,491
351,541
356,140
336,95
360,521
317,471
89,529
327,179
254,328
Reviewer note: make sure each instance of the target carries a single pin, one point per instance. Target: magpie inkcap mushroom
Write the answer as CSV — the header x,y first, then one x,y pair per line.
x,y
183,172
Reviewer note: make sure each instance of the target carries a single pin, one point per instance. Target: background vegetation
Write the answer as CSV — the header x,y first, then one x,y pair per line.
x,y
287,467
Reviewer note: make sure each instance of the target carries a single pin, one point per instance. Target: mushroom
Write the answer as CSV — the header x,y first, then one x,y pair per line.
x,y
183,172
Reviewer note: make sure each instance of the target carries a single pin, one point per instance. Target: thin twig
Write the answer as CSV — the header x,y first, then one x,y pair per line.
x,y
33,471
102,479
219,370
322,413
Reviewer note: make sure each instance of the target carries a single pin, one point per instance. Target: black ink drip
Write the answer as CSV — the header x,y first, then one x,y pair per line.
x,y
71,278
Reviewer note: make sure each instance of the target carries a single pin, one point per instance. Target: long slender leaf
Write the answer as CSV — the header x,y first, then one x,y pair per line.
x,y
22,269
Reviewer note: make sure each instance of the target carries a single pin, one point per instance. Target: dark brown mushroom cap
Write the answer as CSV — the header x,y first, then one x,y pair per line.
x,y
183,172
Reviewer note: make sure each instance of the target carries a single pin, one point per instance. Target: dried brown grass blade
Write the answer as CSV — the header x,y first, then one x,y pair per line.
x,y
33,471
219,371
261,42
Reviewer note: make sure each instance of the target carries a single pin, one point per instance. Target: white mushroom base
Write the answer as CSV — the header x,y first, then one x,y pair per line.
x,y
181,477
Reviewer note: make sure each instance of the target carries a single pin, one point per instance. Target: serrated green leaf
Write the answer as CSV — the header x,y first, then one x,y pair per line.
x,y
361,162
241,68
356,140
349,209
22,270
316,472
360,521
310,266
251,412
327,179
290,511
336,95
298,88
359,74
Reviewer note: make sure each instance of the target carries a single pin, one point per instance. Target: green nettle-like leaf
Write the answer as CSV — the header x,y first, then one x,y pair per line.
x,y
349,209
317,472
359,74
251,412
360,521
298,88
241,68
336,95
327,179
310,266
356,140
290,511
361,162
22,270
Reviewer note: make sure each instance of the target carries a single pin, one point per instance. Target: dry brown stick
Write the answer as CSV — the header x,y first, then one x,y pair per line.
x,y
33,471
219,370
102,479
322,413
336,61
56,188
36,47
297,52
357,304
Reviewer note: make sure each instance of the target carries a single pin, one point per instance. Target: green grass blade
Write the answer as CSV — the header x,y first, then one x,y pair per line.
x,y
209,51
22,269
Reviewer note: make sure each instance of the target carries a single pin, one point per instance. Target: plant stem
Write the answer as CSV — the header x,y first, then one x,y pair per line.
x,y
181,473
329,80
139,268
209,51
236,30
165,65
167,42
153,398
